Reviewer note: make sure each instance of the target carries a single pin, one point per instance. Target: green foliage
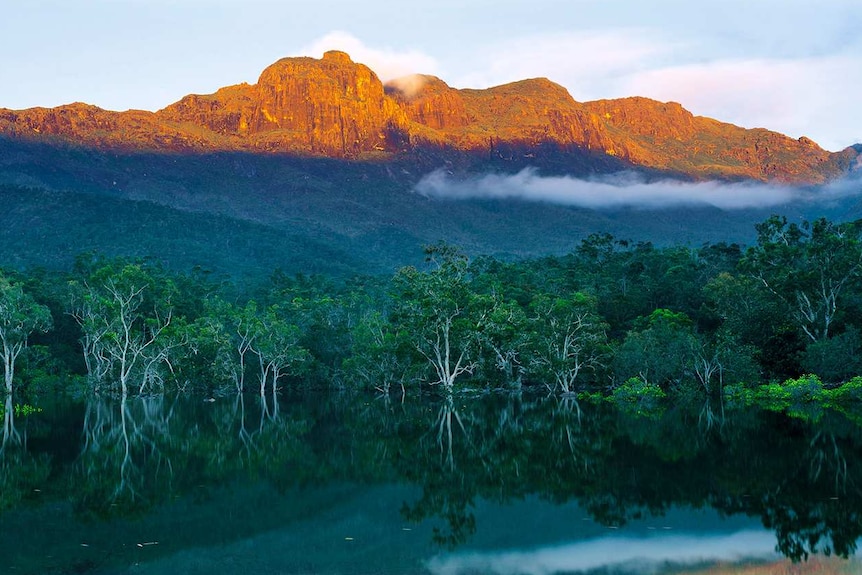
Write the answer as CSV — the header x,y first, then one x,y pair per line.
x,y
381,356
836,358
691,322
659,350
849,394
20,316
25,409
505,340
567,341
636,395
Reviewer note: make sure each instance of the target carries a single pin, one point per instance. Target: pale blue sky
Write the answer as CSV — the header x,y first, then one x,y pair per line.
x,y
790,65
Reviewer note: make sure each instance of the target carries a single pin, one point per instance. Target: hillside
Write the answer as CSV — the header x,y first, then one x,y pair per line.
x,y
333,107
243,215
315,168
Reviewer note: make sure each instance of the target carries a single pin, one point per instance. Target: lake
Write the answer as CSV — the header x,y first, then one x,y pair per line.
x,y
502,483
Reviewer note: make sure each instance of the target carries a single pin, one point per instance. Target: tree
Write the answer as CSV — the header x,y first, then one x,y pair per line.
x,y
20,316
242,333
567,338
659,350
379,355
807,267
275,342
440,313
124,312
506,335
756,321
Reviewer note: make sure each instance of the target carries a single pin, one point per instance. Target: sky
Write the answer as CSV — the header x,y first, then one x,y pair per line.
x,y
794,66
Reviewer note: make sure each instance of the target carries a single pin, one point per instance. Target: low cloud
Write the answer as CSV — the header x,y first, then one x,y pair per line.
x,y
614,191
851,185
387,63
408,85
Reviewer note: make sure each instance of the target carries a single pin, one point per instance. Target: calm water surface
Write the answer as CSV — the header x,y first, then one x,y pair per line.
x,y
497,483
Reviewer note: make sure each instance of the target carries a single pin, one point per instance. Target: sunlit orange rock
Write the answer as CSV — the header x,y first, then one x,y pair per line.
x,y
335,107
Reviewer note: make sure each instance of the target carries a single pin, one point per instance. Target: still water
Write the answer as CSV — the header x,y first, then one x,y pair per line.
x,y
495,483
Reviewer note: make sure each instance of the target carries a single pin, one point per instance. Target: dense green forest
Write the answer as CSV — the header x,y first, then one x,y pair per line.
x,y
779,320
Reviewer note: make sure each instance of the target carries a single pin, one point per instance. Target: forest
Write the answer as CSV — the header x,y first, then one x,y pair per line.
x,y
776,322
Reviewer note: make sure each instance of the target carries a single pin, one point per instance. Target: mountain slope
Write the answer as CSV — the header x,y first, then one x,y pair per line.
x,y
333,107
242,215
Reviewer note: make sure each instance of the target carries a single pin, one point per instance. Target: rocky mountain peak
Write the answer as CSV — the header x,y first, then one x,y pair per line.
x,y
336,107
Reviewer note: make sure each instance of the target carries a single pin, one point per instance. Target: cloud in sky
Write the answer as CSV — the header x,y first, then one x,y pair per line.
x,y
583,61
794,66
608,192
815,97
810,95
387,63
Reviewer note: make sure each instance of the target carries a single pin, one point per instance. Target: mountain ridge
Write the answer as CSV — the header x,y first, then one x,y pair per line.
x,y
334,107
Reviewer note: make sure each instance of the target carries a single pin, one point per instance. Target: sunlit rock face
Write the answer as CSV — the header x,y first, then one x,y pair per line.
x,y
330,106
665,135
338,108
429,101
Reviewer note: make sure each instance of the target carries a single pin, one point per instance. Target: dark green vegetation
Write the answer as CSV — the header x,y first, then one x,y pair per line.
x,y
718,376
243,215
628,320
99,484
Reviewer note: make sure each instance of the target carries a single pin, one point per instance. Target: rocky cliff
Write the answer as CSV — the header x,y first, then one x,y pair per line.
x,y
337,108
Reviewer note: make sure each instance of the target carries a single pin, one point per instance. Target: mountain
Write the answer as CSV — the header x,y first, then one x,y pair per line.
x,y
333,107
315,168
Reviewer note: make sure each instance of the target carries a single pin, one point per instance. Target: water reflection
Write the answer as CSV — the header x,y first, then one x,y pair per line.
x,y
20,471
11,436
620,555
125,461
169,463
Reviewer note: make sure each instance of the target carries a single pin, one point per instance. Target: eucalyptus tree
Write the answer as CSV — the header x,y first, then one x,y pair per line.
x,y
659,351
441,314
125,312
237,335
567,339
756,322
20,316
380,354
809,268
666,351
505,334
275,340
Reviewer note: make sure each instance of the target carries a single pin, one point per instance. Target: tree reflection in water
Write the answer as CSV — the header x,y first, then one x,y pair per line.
x,y
137,457
21,473
125,458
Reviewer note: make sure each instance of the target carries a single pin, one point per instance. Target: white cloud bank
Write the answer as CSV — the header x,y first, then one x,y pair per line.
x,y
387,63
614,191
616,554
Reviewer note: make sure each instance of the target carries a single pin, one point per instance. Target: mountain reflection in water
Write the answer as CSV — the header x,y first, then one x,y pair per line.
x,y
497,483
